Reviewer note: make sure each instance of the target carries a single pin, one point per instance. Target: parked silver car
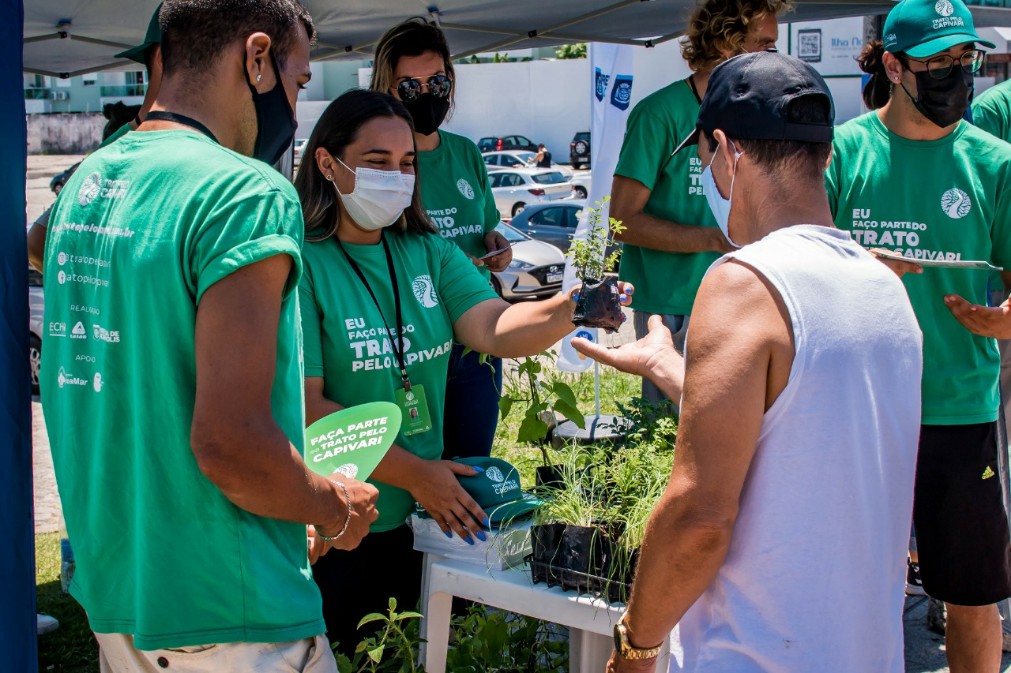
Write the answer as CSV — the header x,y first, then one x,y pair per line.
x,y
35,325
536,270
514,188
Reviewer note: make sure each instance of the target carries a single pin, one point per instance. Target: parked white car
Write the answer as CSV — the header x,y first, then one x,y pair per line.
x,y
517,159
513,189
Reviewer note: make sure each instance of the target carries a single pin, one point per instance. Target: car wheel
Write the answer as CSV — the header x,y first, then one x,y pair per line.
x,y
581,148
580,191
518,208
35,358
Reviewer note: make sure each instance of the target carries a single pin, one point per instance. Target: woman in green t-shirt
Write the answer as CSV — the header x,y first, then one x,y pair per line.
x,y
375,269
413,65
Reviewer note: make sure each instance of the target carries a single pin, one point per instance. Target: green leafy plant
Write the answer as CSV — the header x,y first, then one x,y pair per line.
x,y
589,255
541,395
567,51
644,421
492,641
393,649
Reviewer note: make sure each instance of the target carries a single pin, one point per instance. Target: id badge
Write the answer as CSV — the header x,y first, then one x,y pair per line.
x,y
414,406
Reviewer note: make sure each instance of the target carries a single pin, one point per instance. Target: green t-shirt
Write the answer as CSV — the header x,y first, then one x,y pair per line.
x,y
346,338
991,111
149,223
665,282
455,192
947,198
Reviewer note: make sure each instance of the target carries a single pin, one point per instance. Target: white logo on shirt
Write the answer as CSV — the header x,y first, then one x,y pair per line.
x,y
955,203
424,291
61,278
79,332
57,329
495,474
97,383
944,8
62,258
65,379
465,189
90,189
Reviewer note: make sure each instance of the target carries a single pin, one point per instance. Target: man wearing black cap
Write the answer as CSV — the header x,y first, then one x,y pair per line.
x,y
914,178
148,54
800,407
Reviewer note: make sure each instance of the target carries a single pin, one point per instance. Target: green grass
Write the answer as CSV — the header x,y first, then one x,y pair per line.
x,y
72,647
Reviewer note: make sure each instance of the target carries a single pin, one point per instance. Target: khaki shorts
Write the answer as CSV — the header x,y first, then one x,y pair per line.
x,y
117,654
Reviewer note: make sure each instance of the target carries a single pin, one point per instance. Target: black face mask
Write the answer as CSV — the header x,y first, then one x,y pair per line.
x,y
428,112
275,120
942,101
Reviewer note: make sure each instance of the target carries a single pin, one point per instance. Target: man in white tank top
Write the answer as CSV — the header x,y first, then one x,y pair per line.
x,y
780,543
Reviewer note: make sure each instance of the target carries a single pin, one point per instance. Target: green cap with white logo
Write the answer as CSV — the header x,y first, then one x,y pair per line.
x,y
922,28
151,38
496,489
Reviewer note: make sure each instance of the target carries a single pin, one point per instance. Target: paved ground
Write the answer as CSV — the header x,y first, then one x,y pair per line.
x,y
924,650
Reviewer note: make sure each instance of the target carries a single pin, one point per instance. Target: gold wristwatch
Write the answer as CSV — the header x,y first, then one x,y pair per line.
x,y
626,650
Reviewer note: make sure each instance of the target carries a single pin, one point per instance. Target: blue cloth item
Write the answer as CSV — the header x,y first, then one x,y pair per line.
x,y
473,390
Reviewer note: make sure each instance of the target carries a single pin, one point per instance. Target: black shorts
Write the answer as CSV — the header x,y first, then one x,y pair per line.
x,y
958,512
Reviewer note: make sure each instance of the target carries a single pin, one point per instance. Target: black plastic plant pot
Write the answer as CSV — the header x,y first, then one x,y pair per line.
x,y
546,541
549,476
583,557
599,305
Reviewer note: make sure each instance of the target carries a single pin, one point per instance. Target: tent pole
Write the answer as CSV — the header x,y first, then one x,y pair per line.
x,y
17,560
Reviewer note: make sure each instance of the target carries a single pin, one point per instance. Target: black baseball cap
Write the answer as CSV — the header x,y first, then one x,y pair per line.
x,y
748,97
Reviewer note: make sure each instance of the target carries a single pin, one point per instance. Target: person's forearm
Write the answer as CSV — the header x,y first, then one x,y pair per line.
x,y
648,231
528,328
400,468
669,376
259,470
36,246
683,542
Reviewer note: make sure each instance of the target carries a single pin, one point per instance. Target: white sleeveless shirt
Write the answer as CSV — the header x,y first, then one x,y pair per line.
x,y
815,576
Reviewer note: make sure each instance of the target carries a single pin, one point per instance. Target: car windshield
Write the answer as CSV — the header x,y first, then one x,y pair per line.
x,y
511,234
548,178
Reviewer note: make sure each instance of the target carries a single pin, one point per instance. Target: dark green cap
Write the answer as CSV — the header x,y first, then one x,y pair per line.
x,y
496,489
922,28
152,38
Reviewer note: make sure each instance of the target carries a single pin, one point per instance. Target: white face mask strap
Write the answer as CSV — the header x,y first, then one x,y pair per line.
x,y
733,176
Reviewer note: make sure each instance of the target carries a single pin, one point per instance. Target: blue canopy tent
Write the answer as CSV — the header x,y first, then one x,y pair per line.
x,y
63,38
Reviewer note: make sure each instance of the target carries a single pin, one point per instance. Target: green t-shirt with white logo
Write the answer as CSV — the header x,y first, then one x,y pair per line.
x,y
665,282
945,199
346,338
455,191
991,111
145,227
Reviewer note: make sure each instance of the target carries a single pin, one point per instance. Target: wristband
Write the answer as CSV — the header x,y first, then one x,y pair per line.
x,y
347,519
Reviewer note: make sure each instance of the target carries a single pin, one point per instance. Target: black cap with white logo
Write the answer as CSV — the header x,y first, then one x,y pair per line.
x,y
749,95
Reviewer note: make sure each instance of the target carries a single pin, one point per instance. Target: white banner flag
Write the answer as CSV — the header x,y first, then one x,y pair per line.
x,y
611,82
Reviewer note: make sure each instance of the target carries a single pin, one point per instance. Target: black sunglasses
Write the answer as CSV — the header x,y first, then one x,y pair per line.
x,y
438,85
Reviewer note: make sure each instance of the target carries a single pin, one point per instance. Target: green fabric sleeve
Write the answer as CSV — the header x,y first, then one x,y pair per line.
x,y
312,329
649,140
990,120
461,285
832,182
243,232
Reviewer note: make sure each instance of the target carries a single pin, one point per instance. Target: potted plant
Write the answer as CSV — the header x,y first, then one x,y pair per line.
x,y
542,397
599,302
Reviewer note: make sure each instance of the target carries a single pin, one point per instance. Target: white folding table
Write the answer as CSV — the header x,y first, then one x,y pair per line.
x,y
590,620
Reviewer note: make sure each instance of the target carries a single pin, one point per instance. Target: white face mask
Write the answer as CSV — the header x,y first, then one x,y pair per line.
x,y
379,197
719,205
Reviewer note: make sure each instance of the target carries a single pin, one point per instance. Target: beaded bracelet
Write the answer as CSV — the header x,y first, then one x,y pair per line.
x,y
347,519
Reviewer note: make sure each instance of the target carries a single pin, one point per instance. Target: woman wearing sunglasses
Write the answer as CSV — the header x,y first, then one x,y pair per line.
x,y
383,297
413,64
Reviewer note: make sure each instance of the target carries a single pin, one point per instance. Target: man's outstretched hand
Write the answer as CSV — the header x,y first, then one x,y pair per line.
x,y
653,357
987,321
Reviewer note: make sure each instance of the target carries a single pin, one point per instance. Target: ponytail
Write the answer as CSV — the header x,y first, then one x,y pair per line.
x,y
878,89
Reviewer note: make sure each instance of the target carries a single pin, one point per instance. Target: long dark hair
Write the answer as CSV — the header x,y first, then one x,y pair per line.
x,y
337,128
878,89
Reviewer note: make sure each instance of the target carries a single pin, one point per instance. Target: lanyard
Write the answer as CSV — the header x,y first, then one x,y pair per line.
x,y
162,116
396,341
